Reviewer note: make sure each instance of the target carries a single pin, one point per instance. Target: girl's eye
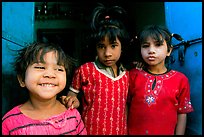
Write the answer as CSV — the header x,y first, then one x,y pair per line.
x,y
60,69
100,46
39,67
114,45
158,44
145,45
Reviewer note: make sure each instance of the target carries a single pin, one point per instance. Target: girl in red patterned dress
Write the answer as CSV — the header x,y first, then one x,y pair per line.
x,y
159,97
104,82
42,68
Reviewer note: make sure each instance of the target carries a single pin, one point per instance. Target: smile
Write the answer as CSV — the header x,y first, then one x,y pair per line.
x,y
48,85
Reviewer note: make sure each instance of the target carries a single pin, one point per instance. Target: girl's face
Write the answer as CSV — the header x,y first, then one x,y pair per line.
x,y
108,53
153,53
45,80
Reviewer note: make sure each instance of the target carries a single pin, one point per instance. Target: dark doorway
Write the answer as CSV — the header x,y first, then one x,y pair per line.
x,y
64,37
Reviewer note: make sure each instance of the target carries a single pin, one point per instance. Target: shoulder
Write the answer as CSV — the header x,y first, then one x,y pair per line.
x,y
87,64
73,112
14,111
11,119
178,77
135,70
179,74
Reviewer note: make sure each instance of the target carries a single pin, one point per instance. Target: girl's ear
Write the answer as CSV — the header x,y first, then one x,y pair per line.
x,y
170,50
20,80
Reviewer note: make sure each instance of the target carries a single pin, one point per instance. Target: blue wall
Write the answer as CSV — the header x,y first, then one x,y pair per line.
x,y
185,18
17,29
17,26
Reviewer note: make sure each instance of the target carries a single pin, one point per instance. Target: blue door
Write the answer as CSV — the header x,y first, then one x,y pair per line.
x,y
185,18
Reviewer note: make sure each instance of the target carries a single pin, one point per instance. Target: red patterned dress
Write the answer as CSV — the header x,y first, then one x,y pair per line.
x,y
156,100
104,101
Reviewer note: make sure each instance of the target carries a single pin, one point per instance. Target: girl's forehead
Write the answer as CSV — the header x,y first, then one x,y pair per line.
x,y
111,39
42,55
153,37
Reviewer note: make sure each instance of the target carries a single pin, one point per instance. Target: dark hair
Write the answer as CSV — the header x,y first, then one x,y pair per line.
x,y
158,33
107,21
29,55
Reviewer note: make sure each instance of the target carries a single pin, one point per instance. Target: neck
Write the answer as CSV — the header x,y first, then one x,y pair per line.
x,y
158,70
115,70
42,105
42,109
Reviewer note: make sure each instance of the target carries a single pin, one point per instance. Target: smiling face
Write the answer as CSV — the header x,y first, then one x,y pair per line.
x,y
44,80
154,53
109,52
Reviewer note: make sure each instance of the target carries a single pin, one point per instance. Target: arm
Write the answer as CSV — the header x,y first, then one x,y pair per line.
x,y
70,100
181,124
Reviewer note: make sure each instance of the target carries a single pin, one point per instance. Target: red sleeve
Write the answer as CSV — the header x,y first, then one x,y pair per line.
x,y
184,101
76,81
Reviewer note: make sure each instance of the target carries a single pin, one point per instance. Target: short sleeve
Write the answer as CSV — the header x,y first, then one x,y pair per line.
x,y
76,81
184,100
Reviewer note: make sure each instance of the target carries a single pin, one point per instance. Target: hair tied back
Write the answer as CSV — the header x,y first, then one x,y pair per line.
x,y
107,17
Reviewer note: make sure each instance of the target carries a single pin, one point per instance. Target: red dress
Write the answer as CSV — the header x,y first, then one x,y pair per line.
x,y
104,101
155,101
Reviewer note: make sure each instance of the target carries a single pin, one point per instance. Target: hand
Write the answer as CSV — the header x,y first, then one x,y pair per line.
x,y
138,65
70,101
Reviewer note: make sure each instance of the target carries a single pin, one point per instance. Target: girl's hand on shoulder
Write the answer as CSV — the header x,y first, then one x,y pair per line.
x,y
138,65
70,101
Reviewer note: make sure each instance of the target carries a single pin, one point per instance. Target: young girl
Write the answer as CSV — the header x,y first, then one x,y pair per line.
x,y
104,82
159,97
42,69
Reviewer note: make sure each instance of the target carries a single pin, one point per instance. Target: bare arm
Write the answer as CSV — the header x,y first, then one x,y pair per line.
x,y
181,124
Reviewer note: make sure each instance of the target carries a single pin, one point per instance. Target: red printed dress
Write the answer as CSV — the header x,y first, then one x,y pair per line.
x,y
156,100
104,101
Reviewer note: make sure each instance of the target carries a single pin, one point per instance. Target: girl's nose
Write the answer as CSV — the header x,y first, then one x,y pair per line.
x,y
108,52
151,50
49,74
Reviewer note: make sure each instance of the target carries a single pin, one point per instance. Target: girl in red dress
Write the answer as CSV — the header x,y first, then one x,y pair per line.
x,y
104,82
159,97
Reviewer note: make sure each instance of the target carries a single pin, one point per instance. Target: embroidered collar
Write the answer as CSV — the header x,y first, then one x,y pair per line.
x,y
147,71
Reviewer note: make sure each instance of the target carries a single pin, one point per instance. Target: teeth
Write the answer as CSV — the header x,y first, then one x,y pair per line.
x,y
151,58
47,85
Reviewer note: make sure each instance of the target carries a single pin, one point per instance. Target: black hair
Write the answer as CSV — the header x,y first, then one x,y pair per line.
x,y
158,33
107,21
29,55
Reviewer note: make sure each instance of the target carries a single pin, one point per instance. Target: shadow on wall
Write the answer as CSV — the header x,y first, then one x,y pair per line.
x,y
12,93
